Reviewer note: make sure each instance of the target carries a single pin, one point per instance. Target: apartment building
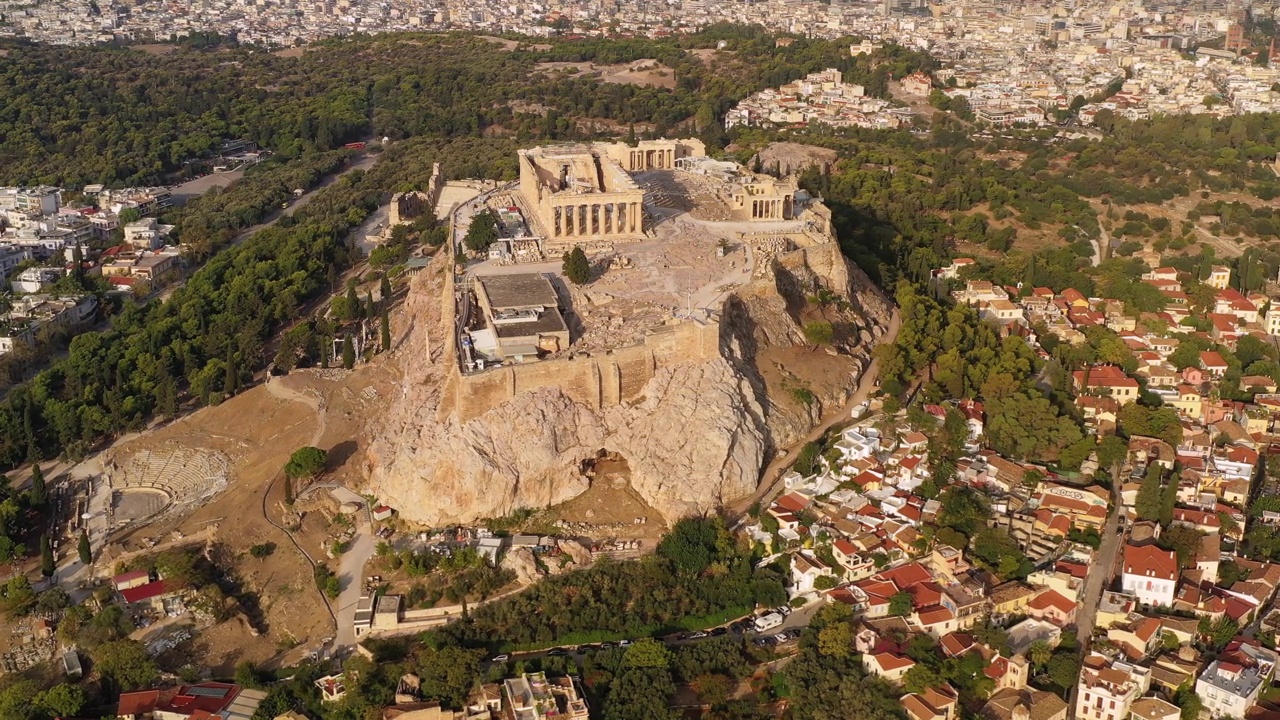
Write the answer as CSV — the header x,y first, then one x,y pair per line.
x,y
1109,688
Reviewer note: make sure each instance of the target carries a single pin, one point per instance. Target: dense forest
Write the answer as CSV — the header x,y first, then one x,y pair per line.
x,y
71,116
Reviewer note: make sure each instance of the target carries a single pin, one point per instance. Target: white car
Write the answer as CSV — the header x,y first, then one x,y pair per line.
x,y
501,658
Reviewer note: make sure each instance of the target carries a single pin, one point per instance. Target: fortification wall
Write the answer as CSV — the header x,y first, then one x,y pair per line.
x,y
598,381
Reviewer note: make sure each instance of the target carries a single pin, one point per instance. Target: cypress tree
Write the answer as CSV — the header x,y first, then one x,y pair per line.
x,y
232,380
353,304
384,289
39,492
370,312
86,553
46,557
386,330
348,353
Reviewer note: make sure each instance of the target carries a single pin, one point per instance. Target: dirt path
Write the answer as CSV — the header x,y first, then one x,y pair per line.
x,y
277,389
771,478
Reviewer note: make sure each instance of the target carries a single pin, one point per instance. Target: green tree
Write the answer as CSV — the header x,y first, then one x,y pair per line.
x,y
306,462
836,640
39,493
1039,653
384,290
1184,540
482,232
647,653
693,544
819,332
348,352
1149,496
576,267
62,700
85,552
125,664
385,330
47,565
900,605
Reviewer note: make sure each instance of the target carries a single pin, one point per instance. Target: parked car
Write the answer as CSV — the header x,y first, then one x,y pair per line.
x,y
623,643
719,631
557,652
501,658
697,635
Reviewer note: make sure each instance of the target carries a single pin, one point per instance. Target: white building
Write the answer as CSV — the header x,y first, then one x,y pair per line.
x,y
1231,684
1150,574
1108,688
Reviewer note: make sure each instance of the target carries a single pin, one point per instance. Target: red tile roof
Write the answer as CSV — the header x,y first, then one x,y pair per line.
x,y
1150,561
1052,599
142,702
145,592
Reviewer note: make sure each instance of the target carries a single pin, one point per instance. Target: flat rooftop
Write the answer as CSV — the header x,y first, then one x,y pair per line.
x,y
549,321
519,291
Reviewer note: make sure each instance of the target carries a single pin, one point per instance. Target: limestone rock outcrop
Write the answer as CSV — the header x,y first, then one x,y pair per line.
x,y
530,451
696,435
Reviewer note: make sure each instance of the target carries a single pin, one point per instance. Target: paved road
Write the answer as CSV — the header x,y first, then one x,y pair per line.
x,y
1099,577
771,479
1101,572
351,577
363,161
796,621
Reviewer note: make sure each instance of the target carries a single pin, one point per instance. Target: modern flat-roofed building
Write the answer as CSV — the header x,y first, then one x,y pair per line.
x,y
533,697
522,319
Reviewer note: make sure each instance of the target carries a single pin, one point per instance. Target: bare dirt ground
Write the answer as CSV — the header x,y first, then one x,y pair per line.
x,y
258,429
290,52
156,48
645,73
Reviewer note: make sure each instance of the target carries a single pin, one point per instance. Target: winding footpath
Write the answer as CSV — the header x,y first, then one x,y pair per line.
x,y
278,390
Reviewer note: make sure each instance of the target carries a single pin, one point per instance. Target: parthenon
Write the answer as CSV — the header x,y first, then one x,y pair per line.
x,y
584,194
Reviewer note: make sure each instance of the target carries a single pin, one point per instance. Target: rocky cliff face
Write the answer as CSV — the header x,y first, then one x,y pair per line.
x,y
698,436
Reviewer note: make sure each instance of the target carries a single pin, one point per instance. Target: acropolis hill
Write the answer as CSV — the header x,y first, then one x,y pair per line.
x,y
681,356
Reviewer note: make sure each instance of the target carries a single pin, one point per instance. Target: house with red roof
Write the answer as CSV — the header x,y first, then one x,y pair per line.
x,y
1054,607
152,594
202,701
887,665
933,703
1150,574
1213,364
1106,380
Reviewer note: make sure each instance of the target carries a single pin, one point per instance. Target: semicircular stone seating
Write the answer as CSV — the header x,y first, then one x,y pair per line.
x,y
180,473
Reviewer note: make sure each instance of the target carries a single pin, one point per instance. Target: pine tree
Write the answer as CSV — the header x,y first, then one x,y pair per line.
x,y
39,493
47,565
348,353
86,553
386,330
384,290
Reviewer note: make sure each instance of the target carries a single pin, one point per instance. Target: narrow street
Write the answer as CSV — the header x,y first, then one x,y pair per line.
x,y
1096,582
